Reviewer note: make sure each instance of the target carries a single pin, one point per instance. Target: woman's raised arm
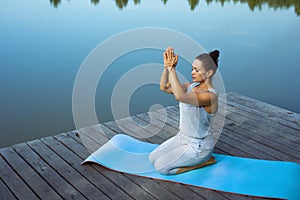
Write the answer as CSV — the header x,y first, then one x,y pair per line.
x,y
170,61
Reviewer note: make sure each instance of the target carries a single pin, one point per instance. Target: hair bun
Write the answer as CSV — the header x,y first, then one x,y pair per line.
x,y
215,56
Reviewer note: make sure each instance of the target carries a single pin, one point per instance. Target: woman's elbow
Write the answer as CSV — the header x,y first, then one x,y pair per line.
x,y
162,88
178,97
165,89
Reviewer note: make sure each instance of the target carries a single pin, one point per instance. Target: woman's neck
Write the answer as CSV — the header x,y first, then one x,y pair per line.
x,y
206,84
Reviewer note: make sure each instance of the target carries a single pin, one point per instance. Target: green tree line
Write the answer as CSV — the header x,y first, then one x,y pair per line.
x,y
253,4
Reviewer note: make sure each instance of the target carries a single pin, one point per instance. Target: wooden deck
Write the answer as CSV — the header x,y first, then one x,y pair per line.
x,y
49,168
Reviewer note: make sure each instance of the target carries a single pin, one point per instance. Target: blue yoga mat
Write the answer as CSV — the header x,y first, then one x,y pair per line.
x,y
262,178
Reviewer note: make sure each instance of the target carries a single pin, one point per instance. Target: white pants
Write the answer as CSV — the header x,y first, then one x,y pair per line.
x,y
178,151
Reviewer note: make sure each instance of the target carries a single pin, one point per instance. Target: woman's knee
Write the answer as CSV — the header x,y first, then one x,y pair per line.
x,y
162,170
162,167
151,158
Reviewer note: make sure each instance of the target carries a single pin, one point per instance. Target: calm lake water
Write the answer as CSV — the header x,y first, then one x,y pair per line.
x,y
43,43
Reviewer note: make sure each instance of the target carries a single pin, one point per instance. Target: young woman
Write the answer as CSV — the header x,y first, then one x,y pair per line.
x,y
198,102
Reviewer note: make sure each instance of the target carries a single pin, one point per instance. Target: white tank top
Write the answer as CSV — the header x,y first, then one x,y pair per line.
x,y
194,120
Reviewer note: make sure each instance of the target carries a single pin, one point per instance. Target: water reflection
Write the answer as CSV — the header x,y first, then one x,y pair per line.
x,y
95,1
122,3
55,2
253,4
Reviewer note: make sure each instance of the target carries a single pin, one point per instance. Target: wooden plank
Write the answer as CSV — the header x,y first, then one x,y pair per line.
x,y
258,108
66,171
119,179
284,114
32,179
14,182
115,126
270,144
264,148
87,138
245,146
92,136
153,187
60,185
262,119
166,130
5,193
136,130
152,131
173,112
268,131
170,114
280,139
106,132
212,194
97,179
182,191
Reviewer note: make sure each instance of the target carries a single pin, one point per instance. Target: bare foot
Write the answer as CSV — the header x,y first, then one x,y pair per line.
x,y
211,160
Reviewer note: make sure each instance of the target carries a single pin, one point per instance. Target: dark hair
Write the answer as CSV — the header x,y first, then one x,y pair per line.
x,y
210,60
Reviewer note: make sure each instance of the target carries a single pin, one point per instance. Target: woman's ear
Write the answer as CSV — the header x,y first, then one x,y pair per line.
x,y
209,73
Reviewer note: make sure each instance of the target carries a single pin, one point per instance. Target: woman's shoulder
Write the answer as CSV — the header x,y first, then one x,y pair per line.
x,y
213,90
188,83
191,84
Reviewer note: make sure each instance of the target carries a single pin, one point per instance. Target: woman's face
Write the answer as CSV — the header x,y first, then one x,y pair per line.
x,y
198,71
